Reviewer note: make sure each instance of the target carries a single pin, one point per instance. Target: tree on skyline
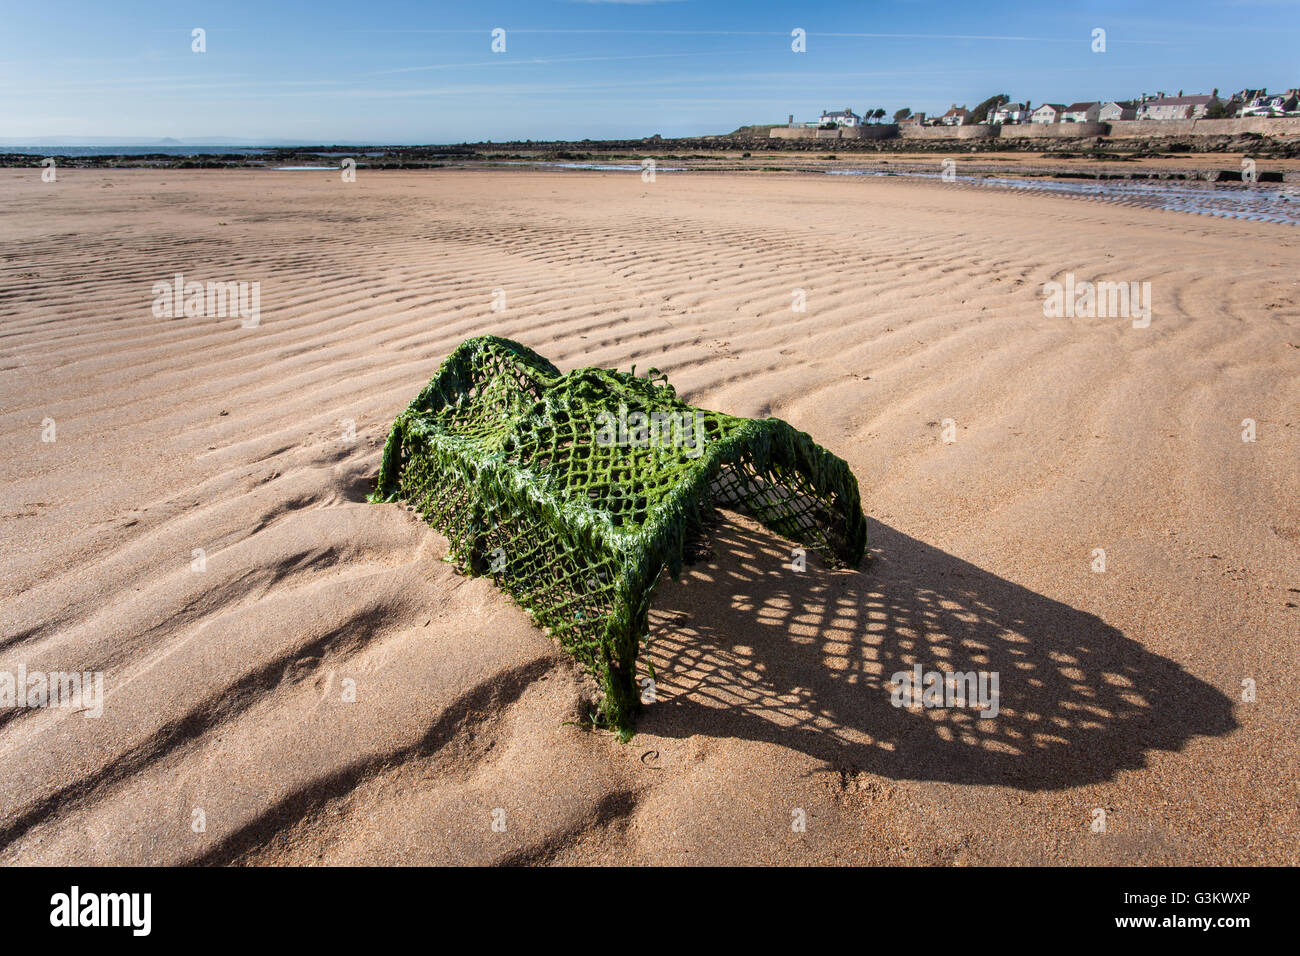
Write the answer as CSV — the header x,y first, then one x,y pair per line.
x,y
980,113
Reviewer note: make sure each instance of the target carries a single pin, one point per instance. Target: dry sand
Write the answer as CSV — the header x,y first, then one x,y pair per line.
x,y
224,688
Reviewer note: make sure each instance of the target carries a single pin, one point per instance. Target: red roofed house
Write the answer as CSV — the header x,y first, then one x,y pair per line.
x,y
954,117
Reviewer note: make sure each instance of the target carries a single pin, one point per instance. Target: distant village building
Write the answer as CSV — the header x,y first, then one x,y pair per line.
x,y
845,117
1011,113
1271,104
1048,113
1241,100
954,117
1117,110
1247,102
1175,107
1081,113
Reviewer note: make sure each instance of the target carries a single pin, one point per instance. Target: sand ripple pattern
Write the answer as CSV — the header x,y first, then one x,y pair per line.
x,y
227,689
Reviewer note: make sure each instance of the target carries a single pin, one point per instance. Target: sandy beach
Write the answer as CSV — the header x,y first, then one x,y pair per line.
x,y
292,675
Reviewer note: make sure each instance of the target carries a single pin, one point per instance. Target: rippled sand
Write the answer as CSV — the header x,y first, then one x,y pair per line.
x,y
226,734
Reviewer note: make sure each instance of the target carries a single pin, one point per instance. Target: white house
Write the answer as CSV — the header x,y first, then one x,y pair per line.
x,y
1081,113
1011,113
954,117
1047,113
1117,110
1175,107
845,117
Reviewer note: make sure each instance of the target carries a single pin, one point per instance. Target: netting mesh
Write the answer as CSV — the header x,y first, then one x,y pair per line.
x,y
575,492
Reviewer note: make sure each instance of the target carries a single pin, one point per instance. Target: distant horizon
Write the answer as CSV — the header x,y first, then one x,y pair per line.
x,y
397,72
246,142
91,142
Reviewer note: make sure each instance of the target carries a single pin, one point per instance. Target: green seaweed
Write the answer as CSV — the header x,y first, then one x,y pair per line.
x,y
513,461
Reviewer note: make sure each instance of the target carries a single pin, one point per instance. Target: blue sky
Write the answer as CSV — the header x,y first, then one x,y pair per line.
x,y
396,71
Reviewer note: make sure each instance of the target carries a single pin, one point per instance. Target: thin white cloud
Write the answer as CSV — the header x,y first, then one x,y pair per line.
x,y
501,61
